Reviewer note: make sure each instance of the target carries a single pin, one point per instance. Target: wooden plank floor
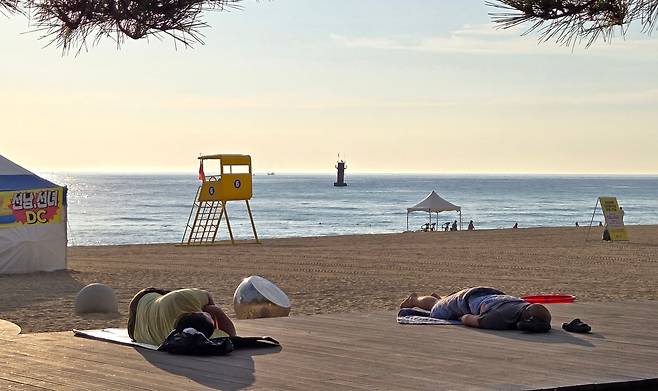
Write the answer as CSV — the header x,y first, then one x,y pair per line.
x,y
357,351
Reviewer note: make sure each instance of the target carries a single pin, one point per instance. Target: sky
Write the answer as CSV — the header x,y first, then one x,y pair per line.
x,y
394,87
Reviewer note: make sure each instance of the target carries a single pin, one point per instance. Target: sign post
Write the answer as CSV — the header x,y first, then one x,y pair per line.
x,y
614,218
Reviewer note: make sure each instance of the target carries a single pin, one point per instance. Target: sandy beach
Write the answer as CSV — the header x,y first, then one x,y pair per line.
x,y
346,273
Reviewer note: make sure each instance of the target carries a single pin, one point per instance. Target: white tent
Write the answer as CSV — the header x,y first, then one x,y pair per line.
x,y
433,203
32,221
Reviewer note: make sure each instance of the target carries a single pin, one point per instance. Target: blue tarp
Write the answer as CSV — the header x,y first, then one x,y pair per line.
x,y
24,182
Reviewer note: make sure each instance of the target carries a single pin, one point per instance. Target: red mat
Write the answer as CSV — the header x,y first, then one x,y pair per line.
x,y
550,299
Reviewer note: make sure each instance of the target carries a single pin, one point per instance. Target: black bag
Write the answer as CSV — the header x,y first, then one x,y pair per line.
x,y
193,342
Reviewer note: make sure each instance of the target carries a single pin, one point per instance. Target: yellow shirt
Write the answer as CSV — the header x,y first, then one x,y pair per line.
x,y
156,314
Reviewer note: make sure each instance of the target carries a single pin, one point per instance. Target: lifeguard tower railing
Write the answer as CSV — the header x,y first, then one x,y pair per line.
x,y
233,183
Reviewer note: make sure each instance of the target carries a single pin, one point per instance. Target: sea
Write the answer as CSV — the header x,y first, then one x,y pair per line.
x,y
109,209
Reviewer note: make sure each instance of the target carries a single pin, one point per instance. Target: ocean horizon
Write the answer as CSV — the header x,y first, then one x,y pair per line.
x,y
111,209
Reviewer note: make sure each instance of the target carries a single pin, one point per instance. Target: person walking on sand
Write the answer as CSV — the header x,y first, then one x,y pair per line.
x,y
471,227
621,215
485,308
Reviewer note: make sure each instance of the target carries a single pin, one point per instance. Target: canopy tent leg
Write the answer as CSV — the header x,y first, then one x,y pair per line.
x,y
407,221
461,226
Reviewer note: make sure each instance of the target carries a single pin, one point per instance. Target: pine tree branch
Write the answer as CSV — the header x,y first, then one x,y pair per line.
x,y
75,24
9,6
572,22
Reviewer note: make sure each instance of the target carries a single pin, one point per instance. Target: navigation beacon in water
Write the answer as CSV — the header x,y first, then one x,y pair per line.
x,y
340,175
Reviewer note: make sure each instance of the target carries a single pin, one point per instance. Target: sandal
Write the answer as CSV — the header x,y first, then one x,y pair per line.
x,y
577,326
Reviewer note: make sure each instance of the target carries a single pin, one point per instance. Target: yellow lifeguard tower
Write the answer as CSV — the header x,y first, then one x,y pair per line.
x,y
233,183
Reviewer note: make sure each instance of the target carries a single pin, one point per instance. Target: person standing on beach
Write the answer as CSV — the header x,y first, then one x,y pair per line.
x,y
471,227
154,313
485,308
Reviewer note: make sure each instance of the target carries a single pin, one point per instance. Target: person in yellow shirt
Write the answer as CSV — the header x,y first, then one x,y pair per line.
x,y
154,313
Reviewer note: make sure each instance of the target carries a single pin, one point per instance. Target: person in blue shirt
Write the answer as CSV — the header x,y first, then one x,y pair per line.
x,y
485,308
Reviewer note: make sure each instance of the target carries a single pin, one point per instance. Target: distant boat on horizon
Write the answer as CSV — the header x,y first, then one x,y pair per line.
x,y
270,173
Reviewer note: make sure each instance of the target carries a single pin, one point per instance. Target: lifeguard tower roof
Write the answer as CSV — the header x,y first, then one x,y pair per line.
x,y
229,159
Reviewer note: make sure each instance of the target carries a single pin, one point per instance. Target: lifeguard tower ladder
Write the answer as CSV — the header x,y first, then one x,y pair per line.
x,y
232,184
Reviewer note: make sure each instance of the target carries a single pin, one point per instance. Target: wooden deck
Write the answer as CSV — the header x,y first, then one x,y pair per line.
x,y
361,352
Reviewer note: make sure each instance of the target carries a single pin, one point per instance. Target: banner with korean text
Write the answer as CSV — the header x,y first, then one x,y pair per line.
x,y
614,218
31,207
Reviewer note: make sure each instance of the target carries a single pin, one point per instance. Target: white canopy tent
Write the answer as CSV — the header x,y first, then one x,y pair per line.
x,y
32,221
433,203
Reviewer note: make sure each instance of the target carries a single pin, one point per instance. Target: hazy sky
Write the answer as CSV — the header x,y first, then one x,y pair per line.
x,y
412,86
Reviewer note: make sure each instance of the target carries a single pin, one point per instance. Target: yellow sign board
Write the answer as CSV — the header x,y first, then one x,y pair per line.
x,y
30,207
614,218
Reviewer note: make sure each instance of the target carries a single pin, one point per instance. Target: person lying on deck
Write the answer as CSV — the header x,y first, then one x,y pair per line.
x,y
154,313
485,308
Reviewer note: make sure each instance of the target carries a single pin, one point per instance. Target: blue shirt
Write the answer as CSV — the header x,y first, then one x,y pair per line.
x,y
481,304
466,301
